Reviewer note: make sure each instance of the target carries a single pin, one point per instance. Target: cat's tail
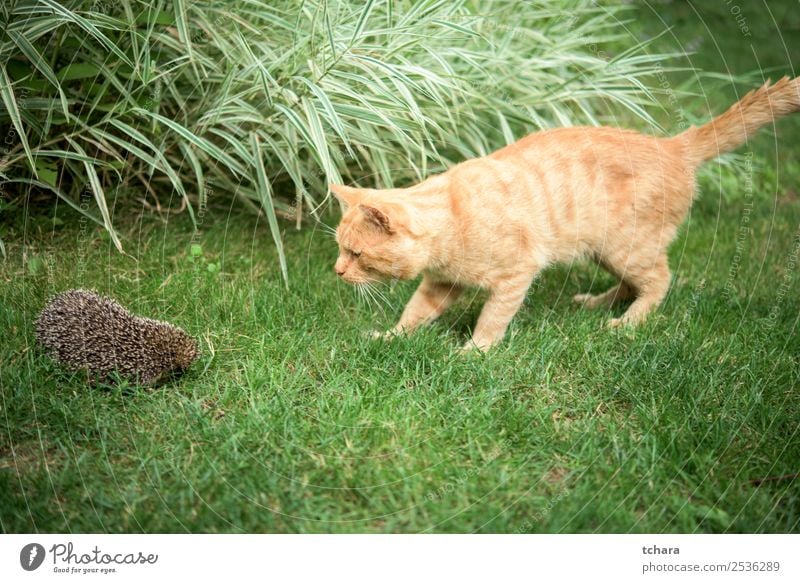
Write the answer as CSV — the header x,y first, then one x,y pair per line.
x,y
731,129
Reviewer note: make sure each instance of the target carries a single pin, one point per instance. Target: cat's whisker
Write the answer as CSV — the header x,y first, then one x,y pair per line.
x,y
381,297
361,295
365,294
327,228
379,294
369,295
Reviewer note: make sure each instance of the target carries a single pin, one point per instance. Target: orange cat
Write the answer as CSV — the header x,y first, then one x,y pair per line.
x,y
613,195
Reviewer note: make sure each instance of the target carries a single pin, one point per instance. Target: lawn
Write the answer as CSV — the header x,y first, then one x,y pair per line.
x,y
294,421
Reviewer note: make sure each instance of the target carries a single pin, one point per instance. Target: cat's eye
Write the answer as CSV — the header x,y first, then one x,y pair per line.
x,y
355,254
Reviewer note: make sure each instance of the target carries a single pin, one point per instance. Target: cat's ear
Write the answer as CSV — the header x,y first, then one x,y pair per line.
x,y
347,195
377,217
390,218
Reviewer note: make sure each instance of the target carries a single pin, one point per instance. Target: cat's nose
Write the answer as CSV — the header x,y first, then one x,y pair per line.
x,y
340,266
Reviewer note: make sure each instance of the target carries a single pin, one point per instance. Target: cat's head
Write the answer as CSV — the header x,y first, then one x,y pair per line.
x,y
378,236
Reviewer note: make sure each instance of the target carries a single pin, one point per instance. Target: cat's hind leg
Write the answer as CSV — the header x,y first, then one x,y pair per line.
x,y
608,299
651,281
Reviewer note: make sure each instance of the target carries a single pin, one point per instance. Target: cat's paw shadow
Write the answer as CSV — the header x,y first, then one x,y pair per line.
x,y
458,326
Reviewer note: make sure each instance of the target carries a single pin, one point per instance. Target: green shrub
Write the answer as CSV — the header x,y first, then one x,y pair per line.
x,y
269,101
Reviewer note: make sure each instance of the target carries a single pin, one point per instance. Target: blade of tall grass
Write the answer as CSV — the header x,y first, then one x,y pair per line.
x,y
71,16
199,175
160,160
182,25
265,193
38,61
205,145
10,101
99,195
318,142
362,21
61,195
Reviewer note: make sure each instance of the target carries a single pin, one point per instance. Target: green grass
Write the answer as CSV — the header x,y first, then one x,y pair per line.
x,y
301,424
293,421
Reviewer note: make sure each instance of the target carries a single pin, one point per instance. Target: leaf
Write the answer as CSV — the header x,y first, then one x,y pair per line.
x,y
290,164
162,165
456,27
99,195
150,16
40,63
362,21
329,29
47,175
88,26
183,33
75,71
319,142
209,148
263,73
58,193
331,115
264,190
508,135
10,102
194,161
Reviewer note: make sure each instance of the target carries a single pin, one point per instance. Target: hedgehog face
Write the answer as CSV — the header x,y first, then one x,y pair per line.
x,y
185,351
179,349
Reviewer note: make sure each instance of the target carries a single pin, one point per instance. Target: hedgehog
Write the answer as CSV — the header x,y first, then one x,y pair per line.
x,y
82,330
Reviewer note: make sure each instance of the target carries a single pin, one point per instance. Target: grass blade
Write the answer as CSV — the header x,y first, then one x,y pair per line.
x,y
40,63
99,196
362,21
7,94
89,27
58,193
208,147
265,194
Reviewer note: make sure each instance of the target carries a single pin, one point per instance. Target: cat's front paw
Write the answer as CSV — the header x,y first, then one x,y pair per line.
x,y
472,348
378,335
